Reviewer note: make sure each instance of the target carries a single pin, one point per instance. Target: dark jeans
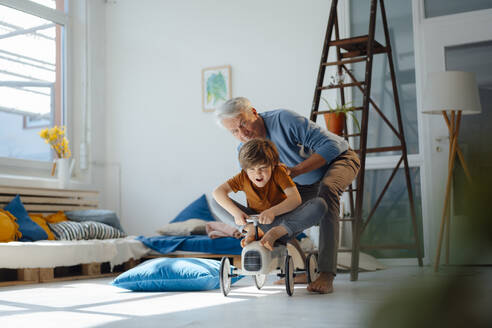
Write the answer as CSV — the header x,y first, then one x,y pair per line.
x,y
306,215
339,175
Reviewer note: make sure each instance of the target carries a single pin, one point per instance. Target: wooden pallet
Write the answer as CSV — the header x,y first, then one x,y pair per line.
x,y
47,201
13,277
235,259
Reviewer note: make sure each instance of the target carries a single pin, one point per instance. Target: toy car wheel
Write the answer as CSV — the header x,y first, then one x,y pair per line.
x,y
260,280
312,268
289,275
225,276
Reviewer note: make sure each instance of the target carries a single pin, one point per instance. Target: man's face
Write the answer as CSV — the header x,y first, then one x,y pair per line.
x,y
259,174
245,126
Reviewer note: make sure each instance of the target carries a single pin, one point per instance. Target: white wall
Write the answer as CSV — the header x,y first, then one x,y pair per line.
x,y
169,151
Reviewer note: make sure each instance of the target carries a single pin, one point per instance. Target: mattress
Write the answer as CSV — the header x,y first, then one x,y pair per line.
x,y
53,253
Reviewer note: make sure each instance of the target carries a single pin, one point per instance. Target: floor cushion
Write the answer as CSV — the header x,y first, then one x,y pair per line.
x,y
172,274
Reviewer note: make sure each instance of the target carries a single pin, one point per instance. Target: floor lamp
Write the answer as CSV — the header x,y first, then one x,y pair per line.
x,y
451,94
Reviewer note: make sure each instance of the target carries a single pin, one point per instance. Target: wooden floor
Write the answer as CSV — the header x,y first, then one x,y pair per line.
x,y
401,296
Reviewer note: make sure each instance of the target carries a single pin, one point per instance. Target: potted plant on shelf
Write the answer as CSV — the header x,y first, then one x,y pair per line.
x,y
335,119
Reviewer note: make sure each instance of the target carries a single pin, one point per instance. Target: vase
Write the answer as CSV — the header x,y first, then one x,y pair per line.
x,y
63,172
335,122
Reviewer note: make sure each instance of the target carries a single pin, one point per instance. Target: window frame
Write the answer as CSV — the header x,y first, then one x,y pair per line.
x,y
21,169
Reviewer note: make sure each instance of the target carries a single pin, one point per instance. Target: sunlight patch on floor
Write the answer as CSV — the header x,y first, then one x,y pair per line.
x,y
10,308
180,301
67,319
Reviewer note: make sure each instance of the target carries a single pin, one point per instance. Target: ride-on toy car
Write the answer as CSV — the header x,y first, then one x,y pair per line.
x,y
259,262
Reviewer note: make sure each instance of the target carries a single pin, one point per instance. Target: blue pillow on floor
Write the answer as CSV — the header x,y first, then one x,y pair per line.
x,y
172,274
197,210
31,231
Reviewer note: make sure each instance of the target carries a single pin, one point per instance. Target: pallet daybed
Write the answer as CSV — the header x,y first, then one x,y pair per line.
x,y
53,260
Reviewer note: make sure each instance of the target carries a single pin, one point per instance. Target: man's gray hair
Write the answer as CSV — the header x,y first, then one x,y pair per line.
x,y
232,108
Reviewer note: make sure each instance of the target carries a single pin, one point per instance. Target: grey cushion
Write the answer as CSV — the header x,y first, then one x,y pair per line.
x,y
104,216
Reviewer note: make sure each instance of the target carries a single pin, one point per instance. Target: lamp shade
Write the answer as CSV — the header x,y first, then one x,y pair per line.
x,y
451,90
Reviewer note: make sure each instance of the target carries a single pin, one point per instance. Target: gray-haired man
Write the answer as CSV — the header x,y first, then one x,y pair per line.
x,y
320,163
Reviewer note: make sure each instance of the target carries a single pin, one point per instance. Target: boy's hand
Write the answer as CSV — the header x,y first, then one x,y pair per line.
x,y
266,217
240,218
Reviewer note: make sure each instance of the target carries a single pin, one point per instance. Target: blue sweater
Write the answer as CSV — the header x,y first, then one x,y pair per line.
x,y
297,138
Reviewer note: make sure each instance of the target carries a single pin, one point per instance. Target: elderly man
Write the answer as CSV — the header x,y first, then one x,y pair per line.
x,y
320,163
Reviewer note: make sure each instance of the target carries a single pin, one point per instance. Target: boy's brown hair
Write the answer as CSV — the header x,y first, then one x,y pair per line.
x,y
257,152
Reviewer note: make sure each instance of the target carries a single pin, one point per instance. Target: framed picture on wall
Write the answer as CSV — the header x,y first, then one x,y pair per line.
x,y
216,87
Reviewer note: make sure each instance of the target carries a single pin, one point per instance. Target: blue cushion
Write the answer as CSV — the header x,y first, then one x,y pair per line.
x,y
104,216
172,274
197,210
31,231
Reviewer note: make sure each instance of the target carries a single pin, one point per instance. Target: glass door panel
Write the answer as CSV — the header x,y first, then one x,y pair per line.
x,y
435,8
475,141
391,223
399,16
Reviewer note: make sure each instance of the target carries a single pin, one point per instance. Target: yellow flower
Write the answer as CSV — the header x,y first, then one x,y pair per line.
x,y
56,138
44,133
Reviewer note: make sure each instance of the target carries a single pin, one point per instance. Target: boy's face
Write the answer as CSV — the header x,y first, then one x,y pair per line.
x,y
259,174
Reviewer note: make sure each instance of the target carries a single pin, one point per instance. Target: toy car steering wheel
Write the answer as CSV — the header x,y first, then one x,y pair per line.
x,y
254,219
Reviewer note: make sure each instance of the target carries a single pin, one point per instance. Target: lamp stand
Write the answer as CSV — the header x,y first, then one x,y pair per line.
x,y
454,150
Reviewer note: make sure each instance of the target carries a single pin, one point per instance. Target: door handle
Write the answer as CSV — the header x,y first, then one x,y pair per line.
x,y
442,139
439,141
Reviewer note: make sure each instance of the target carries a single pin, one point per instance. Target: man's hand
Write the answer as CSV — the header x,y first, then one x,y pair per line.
x,y
240,218
266,217
293,172
313,162
290,170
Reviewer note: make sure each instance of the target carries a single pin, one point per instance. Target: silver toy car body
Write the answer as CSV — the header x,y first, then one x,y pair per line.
x,y
259,262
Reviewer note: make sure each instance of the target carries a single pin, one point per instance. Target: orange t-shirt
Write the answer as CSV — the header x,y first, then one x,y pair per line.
x,y
260,199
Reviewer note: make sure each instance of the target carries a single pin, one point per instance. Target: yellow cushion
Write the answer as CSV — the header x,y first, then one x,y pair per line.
x,y
57,217
41,221
9,229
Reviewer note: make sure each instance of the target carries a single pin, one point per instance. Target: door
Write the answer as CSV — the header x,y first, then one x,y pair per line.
x,y
453,35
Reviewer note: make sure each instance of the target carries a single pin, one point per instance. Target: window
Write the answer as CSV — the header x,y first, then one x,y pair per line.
x,y
32,84
435,8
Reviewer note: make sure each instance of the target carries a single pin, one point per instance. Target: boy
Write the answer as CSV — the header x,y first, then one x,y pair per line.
x,y
271,193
